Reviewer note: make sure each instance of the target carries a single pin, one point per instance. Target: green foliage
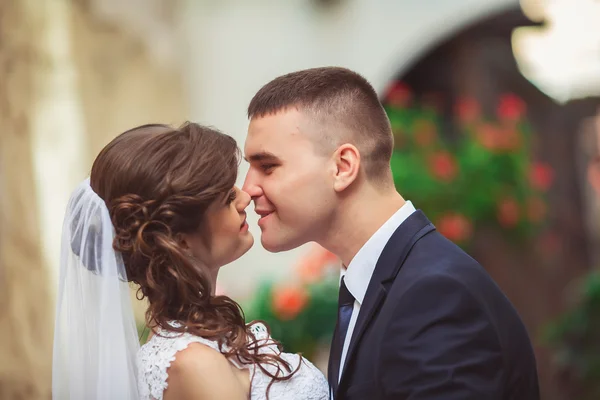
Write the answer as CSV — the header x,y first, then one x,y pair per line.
x,y
575,337
481,175
310,328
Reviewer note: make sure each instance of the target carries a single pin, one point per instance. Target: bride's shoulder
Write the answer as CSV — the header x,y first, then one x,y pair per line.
x,y
200,370
197,359
176,357
165,343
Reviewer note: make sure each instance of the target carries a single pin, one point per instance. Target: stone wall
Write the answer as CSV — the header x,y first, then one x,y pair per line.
x,y
72,76
25,306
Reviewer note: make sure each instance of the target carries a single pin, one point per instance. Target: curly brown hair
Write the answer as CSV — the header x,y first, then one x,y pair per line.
x,y
157,183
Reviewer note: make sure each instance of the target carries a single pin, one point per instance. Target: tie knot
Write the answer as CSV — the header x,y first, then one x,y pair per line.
x,y
345,297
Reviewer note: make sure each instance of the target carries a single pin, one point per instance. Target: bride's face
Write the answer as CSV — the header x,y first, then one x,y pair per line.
x,y
224,235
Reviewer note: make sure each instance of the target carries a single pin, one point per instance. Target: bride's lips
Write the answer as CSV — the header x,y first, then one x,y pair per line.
x,y
244,225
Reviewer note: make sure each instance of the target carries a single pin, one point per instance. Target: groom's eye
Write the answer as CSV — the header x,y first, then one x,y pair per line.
x,y
267,167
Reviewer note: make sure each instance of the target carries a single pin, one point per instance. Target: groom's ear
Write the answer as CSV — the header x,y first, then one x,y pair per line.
x,y
347,163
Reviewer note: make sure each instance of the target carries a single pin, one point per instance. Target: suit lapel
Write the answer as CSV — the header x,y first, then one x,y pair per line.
x,y
389,263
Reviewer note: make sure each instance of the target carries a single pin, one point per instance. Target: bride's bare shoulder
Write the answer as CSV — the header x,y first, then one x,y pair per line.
x,y
200,372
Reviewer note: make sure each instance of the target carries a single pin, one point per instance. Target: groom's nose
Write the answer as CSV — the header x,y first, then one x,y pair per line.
x,y
251,185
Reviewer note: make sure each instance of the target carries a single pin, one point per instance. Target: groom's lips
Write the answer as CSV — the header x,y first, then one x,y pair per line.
x,y
263,216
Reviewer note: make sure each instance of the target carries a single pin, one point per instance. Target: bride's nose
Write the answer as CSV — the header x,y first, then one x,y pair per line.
x,y
244,200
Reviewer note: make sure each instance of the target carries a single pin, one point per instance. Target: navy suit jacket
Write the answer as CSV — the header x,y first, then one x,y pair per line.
x,y
434,325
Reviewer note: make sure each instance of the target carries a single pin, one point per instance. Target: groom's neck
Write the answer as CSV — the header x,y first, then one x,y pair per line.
x,y
357,220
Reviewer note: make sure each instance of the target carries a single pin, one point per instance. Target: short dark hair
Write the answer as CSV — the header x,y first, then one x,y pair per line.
x,y
339,95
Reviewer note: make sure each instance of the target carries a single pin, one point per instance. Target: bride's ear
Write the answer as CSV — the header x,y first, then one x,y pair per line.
x,y
184,242
193,245
347,166
181,240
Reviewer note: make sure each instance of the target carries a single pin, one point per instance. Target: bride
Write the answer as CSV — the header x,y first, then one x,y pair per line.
x,y
161,210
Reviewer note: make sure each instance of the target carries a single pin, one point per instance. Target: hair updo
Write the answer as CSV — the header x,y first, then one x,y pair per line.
x,y
157,183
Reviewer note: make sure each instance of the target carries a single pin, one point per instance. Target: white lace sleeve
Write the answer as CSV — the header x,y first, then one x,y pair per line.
x,y
308,383
155,358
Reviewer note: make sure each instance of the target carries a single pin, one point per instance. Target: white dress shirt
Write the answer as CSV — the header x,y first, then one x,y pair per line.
x,y
358,273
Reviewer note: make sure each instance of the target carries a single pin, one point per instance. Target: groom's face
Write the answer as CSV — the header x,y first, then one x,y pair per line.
x,y
289,182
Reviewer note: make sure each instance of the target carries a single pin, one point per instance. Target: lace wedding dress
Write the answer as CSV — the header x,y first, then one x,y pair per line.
x,y
155,357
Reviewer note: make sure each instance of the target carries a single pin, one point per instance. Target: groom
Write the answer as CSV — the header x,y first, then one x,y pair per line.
x,y
418,318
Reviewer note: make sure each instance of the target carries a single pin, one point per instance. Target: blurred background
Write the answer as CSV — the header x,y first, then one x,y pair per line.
x,y
495,110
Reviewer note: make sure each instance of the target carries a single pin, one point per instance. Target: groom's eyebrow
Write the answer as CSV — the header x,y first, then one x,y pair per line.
x,y
262,156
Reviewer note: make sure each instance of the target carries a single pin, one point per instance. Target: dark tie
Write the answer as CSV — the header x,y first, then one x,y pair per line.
x,y
345,305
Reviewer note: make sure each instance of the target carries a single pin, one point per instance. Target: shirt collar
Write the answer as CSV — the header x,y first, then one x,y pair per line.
x,y
359,271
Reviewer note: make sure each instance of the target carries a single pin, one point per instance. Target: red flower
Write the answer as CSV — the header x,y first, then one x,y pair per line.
x,y
443,166
289,301
399,95
310,270
312,266
425,132
489,137
498,139
455,227
510,108
467,110
510,139
541,176
508,213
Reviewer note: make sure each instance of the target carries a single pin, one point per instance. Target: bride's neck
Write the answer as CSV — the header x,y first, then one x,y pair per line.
x,y
213,274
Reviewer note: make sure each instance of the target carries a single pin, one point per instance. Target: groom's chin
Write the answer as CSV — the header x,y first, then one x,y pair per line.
x,y
271,247
276,247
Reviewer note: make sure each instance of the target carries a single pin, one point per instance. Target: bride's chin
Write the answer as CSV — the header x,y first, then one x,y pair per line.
x,y
249,242
245,244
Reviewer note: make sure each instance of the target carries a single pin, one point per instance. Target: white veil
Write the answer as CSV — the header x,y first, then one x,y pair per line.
x,y
95,337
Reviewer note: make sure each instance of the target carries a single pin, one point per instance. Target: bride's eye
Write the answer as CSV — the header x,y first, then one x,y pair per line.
x,y
231,197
